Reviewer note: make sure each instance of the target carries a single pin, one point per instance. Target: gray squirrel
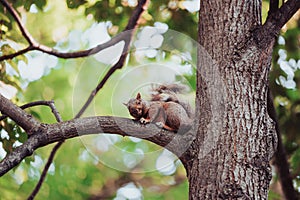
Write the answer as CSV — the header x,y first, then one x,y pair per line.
x,y
165,108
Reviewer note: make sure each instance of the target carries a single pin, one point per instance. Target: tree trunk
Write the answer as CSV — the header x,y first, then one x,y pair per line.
x,y
235,137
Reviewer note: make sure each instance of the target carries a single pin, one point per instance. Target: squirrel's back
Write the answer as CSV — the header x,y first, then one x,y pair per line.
x,y
170,93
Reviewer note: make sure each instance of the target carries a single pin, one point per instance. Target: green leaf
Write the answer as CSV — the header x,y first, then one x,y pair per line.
x,y
7,49
40,3
12,81
22,135
2,70
35,114
29,159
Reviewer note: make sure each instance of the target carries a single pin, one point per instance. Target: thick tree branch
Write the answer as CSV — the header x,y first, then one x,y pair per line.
x,y
277,18
50,133
23,119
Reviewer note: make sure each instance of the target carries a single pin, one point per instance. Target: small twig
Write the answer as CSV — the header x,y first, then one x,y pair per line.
x,y
31,104
118,65
45,170
55,111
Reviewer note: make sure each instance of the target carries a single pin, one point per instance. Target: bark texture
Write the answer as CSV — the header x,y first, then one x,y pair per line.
x,y
236,137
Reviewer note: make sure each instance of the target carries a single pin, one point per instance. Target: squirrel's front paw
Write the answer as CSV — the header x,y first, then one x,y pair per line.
x,y
159,124
144,121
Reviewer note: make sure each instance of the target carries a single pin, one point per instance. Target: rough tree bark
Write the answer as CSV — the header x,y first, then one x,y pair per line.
x,y
235,135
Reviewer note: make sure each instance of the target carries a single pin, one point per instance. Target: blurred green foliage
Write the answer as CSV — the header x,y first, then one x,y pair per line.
x,y
287,100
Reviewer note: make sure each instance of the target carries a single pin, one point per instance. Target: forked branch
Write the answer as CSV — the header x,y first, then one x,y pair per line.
x,y
277,18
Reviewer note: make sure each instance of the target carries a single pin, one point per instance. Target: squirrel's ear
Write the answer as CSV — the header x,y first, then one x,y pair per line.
x,y
125,104
138,96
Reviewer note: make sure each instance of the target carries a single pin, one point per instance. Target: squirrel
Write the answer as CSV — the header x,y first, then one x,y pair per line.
x,y
164,109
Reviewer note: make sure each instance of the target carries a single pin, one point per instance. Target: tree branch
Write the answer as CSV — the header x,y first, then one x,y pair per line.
x,y
277,18
67,55
50,133
31,104
273,6
45,170
110,72
23,119
15,15
33,45
12,55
